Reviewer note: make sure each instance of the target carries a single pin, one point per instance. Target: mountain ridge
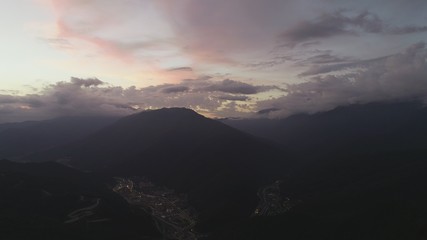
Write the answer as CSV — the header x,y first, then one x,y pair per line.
x,y
218,166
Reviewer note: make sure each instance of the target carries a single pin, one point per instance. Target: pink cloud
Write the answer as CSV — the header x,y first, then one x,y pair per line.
x,y
107,27
109,48
222,31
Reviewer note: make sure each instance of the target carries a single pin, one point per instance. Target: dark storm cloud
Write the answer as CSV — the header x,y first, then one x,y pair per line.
x,y
397,77
342,23
93,97
316,69
269,63
189,69
33,101
175,89
80,82
331,24
30,100
233,97
408,29
7,99
325,59
267,111
76,97
200,78
236,87
203,84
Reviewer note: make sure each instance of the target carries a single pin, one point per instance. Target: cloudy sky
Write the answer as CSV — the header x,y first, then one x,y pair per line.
x,y
223,58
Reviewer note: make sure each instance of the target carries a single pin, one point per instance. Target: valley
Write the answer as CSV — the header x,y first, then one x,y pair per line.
x,y
174,174
171,213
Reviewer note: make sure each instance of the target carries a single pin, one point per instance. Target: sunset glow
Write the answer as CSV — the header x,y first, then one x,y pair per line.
x,y
270,46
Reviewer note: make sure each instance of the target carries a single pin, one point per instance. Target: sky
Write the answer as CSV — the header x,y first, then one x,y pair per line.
x,y
222,58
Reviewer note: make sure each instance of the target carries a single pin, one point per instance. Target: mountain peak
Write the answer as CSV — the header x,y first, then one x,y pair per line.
x,y
174,113
171,110
164,117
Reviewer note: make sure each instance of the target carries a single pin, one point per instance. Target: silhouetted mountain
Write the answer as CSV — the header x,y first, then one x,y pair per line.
x,y
363,174
219,167
356,172
20,139
370,127
51,201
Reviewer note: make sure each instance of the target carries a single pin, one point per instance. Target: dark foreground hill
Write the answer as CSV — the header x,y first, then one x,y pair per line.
x,y
363,174
220,168
51,201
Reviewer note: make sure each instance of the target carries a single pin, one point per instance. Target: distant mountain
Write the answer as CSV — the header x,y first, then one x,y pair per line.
x,y
219,167
359,127
51,201
20,139
361,174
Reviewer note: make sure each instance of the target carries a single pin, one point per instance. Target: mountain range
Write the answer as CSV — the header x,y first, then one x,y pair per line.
x,y
355,172
219,167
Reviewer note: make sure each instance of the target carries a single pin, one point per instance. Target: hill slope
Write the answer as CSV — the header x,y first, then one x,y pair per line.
x,y
219,167
363,174
51,201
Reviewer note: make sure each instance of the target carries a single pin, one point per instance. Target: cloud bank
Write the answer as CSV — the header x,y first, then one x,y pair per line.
x,y
398,77
95,97
337,23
